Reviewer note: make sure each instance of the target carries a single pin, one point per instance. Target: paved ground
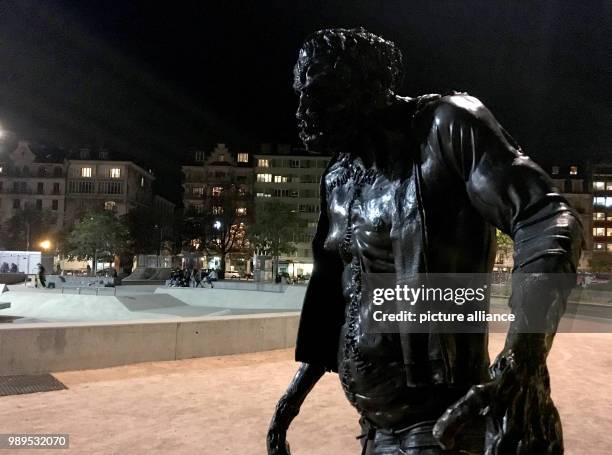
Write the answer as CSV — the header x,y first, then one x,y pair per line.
x,y
222,405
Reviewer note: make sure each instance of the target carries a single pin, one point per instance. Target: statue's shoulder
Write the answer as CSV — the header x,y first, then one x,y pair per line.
x,y
337,171
449,108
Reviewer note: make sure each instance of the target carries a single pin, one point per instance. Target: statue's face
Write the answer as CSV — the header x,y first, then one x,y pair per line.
x,y
327,104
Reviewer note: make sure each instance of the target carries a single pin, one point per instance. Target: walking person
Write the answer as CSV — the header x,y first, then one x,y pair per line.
x,y
197,278
209,277
41,276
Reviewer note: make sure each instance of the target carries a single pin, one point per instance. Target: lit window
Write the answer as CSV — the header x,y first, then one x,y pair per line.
x,y
115,173
609,201
264,178
608,184
599,232
217,210
110,206
142,182
1,169
609,232
263,195
221,157
609,249
86,172
598,186
555,170
573,170
599,201
599,216
263,163
243,157
241,211
278,178
216,191
198,191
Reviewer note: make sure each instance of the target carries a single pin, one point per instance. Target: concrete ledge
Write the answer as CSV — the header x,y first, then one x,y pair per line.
x,y
52,347
12,278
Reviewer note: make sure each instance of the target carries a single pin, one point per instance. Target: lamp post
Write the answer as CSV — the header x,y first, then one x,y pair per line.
x,y
45,245
159,243
27,236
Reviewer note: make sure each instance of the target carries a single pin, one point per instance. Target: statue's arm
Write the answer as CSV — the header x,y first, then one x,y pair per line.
x,y
289,405
515,195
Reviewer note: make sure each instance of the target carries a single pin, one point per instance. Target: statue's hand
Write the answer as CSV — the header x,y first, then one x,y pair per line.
x,y
277,441
521,416
277,432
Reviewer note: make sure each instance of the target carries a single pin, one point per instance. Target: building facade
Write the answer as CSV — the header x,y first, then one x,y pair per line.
x,y
32,180
94,182
218,203
602,208
292,176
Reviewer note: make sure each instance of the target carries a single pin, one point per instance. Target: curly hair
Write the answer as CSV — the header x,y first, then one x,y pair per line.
x,y
377,62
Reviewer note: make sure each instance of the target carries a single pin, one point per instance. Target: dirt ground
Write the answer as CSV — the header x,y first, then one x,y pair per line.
x,y
222,405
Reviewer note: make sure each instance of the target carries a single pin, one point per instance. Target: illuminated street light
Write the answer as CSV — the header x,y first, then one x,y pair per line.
x,y
45,244
217,225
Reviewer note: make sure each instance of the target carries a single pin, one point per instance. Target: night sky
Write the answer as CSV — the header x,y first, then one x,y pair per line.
x,y
154,79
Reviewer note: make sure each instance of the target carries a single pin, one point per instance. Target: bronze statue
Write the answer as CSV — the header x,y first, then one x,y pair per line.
x,y
417,185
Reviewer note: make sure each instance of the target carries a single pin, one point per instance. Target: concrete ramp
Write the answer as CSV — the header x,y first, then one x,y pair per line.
x,y
144,274
29,306
290,300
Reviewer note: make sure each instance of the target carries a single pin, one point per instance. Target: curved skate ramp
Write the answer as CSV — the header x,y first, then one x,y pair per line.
x,y
33,306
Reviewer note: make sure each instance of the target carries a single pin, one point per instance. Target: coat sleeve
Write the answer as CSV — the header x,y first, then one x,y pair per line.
x,y
506,187
323,309
515,195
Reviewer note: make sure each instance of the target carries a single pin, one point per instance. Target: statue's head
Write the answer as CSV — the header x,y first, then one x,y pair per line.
x,y
341,77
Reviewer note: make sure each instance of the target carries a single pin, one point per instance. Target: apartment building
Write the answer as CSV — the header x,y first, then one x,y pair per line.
x,y
602,208
32,177
95,181
292,176
218,189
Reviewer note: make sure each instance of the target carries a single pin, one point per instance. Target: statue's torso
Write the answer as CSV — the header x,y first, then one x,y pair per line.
x,y
361,204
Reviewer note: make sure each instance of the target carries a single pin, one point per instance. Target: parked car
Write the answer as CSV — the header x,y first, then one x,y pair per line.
x,y
232,274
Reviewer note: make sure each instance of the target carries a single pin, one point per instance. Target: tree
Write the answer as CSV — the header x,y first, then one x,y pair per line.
x,y
218,225
144,230
27,228
273,230
505,246
98,235
601,262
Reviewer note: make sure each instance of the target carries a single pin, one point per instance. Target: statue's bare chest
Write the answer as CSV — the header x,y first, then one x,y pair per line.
x,y
360,205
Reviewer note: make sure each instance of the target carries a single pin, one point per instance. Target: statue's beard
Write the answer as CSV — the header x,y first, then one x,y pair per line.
x,y
311,137
331,138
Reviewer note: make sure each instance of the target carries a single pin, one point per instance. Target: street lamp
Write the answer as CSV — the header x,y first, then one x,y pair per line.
x,y
45,244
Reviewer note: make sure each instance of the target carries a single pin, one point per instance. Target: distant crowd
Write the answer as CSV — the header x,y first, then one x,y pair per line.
x,y
193,278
